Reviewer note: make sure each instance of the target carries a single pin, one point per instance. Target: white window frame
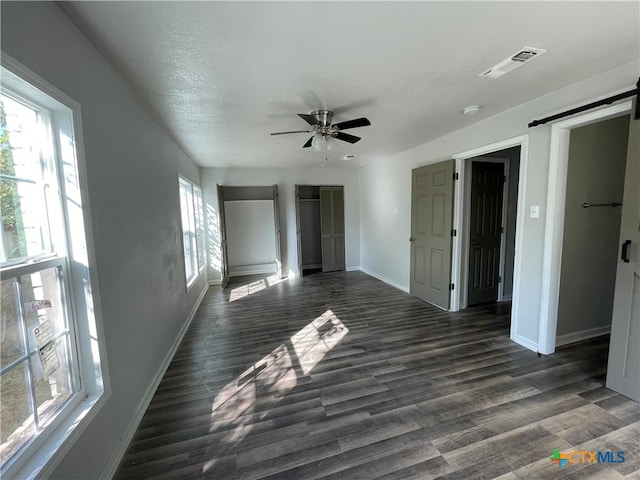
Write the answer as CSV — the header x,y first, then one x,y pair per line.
x,y
193,230
42,455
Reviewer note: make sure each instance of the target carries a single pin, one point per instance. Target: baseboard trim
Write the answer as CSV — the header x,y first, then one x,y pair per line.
x,y
568,338
525,342
112,464
258,269
215,282
354,269
385,280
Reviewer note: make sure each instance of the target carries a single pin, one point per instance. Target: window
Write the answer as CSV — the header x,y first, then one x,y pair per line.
x,y
48,330
193,235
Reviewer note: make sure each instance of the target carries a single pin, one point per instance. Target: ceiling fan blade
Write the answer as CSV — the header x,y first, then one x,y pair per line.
x,y
358,122
308,144
310,119
346,137
293,131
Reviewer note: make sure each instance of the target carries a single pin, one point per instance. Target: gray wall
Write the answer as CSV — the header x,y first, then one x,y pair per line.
x,y
286,179
132,172
595,173
385,194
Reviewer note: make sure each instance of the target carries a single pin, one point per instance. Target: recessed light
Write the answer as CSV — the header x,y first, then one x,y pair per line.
x,y
471,109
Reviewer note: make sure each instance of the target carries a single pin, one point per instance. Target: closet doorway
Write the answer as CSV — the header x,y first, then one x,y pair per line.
x,y
320,228
249,231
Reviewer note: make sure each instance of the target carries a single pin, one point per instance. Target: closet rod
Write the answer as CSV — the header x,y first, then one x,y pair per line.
x,y
589,106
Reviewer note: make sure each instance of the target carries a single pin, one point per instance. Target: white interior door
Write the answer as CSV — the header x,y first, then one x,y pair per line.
x,y
623,369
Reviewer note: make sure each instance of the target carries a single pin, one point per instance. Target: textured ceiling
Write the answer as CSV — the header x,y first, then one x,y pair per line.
x,y
223,75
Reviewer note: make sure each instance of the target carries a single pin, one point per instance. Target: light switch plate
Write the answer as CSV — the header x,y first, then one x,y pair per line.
x,y
534,211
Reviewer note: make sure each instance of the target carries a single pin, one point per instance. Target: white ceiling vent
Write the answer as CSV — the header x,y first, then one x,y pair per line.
x,y
514,61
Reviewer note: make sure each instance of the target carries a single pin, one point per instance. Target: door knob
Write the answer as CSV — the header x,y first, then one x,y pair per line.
x,y
473,242
411,239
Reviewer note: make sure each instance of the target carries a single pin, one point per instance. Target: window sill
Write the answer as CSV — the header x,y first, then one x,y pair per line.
x,y
42,462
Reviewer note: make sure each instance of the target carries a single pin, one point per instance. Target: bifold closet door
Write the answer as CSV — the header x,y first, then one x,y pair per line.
x,y
276,219
332,228
224,261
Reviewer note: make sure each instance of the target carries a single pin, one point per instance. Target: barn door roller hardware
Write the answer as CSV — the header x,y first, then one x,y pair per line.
x,y
589,106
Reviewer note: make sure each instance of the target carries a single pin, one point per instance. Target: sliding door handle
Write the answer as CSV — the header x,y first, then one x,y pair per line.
x,y
625,251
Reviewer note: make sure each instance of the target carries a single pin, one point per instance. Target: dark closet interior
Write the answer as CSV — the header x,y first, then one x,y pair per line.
x,y
309,232
320,228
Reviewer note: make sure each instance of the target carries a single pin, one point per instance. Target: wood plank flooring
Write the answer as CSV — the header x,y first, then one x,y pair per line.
x,y
340,376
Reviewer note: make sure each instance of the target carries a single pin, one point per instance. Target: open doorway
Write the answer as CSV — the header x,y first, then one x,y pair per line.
x,y
561,135
249,231
320,228
511,258
593,201
623,372
489,227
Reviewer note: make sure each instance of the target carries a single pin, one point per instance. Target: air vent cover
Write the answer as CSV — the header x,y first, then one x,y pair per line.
x,y
512,62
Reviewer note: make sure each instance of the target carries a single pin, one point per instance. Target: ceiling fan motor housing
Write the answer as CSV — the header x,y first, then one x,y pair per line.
x,y
323,125
323,117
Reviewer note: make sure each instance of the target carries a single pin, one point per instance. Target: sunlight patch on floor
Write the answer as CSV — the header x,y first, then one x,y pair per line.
x,y
254,287
250,397
315,340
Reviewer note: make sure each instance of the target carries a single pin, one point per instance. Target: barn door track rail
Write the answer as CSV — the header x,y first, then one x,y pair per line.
x,y
589,106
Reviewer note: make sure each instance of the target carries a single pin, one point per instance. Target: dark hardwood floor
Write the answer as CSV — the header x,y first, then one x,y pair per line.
x,y
340,376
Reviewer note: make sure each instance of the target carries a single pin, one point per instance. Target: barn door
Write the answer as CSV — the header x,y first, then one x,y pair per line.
x,y
623,369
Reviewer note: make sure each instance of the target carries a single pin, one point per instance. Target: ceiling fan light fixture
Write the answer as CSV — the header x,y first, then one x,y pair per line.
x,y
318,142
330,141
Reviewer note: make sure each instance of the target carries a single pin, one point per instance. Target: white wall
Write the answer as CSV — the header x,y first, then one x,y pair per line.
x,y
132,172
385,185
286,179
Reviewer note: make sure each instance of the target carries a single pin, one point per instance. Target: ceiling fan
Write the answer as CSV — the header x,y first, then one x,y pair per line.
x,y
324,132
